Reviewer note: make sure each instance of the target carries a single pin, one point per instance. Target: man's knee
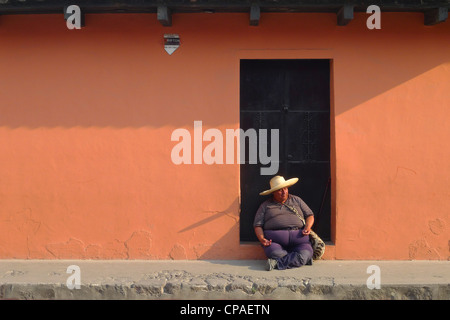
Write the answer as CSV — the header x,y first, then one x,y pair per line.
x,y
279,253
305,256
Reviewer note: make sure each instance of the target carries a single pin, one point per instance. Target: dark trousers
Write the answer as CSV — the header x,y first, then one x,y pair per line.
x,y
290,248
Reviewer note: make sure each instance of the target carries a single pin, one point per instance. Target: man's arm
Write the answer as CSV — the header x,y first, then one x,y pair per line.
x,y
260,235
309,221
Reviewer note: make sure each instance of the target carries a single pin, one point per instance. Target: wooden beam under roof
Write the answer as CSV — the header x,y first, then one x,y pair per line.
x,y
68,14
164,16
255,14
345,15
188,6
435,11
435,16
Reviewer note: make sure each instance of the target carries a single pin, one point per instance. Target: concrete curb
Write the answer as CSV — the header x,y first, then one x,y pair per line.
x,y
237,289
211,280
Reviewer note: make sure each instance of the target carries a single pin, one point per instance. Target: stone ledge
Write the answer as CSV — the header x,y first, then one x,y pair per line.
x,y
222,279
186,286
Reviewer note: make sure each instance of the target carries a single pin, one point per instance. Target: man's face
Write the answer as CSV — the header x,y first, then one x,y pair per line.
x,y
281,195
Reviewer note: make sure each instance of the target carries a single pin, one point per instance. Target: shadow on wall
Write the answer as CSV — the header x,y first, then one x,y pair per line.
x,y
228,246
229,211
101,78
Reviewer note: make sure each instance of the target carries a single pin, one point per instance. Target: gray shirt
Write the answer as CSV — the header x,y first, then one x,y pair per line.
x,y
273,215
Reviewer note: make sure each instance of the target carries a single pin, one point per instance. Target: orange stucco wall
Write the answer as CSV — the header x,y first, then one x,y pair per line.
x,y
86,118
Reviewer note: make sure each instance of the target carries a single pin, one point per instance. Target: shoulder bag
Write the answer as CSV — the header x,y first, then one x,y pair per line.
x,y
317,244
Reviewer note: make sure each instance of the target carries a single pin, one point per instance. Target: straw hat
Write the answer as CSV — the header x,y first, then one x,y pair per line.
x,y
277,183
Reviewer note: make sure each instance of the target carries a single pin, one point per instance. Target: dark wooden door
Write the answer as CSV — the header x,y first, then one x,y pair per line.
x,y
292,96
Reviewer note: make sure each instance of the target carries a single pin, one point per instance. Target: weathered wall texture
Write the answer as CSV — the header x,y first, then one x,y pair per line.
x,y
86,118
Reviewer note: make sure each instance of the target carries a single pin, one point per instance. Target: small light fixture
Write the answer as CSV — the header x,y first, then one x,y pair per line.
x,y
171,43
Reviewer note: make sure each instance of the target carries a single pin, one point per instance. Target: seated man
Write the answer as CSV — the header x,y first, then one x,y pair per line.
x,y
283,224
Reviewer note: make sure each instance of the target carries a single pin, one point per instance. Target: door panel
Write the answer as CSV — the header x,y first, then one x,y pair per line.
x,y
292,96
308,136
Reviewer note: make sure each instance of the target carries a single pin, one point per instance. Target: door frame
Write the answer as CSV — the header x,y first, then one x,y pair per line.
x,y
298,54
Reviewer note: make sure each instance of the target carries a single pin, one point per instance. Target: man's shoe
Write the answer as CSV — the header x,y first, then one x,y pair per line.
x,y
271,264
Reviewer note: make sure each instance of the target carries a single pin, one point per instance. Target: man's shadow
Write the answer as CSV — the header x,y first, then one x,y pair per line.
x,y
223,244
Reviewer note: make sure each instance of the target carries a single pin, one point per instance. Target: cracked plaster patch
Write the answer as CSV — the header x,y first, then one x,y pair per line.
x,y
436,226
178,252
420,249
136,247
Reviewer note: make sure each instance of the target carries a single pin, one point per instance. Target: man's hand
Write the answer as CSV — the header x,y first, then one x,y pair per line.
x,y
309,223
260,235
266,242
